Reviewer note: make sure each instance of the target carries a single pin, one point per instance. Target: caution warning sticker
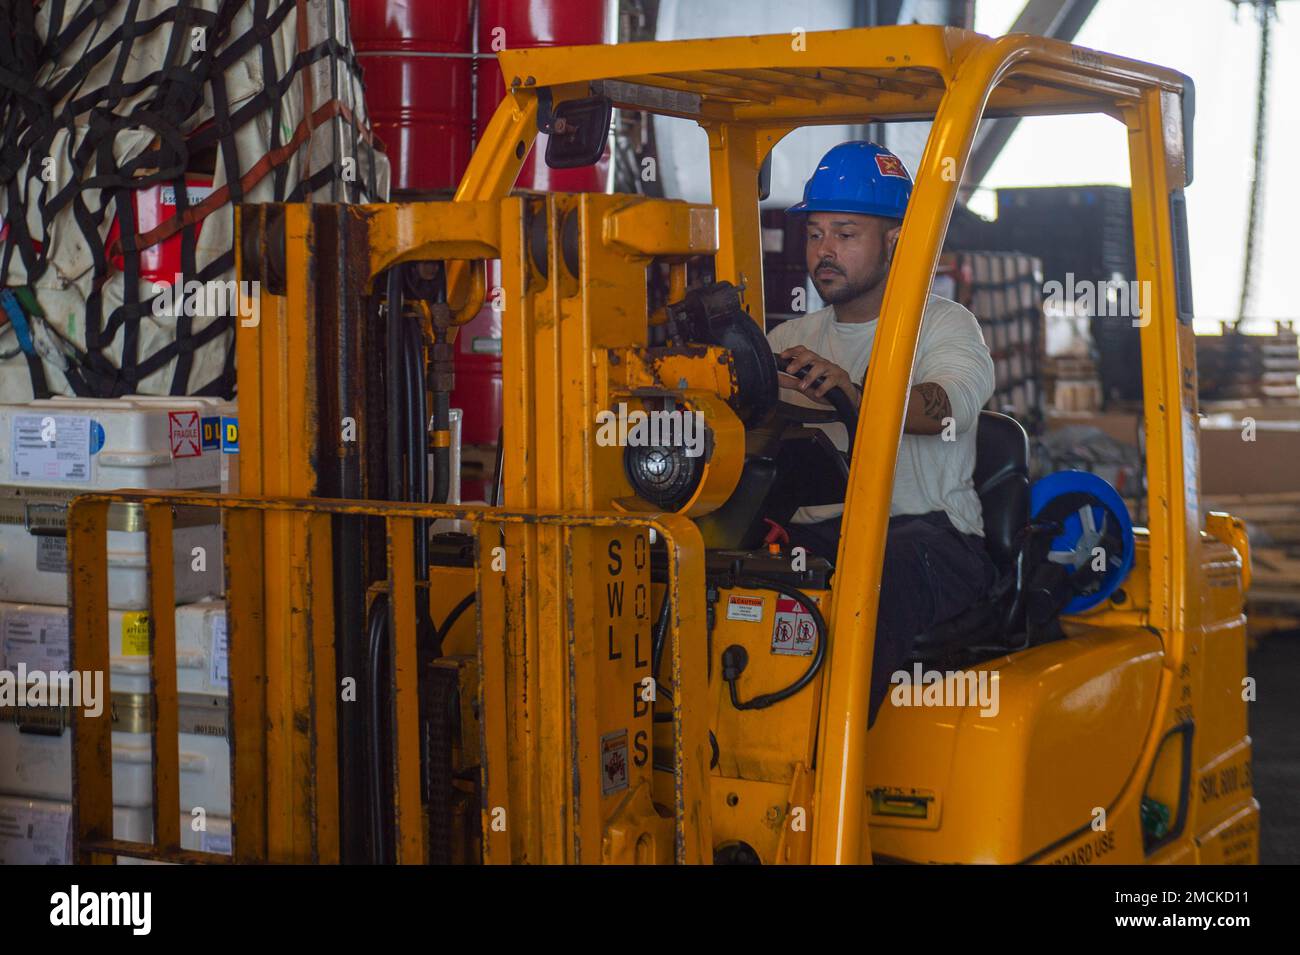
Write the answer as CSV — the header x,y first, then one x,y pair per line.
x,y
183,430
135,634
613,762
793,633
745,607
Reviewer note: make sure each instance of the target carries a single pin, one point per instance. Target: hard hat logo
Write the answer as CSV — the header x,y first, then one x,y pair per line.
x,y
858,177
891,166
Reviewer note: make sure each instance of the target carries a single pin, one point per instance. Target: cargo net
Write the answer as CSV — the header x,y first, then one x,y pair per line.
x,y
128,128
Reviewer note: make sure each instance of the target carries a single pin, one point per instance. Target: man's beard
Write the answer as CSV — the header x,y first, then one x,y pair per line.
x,y
851,290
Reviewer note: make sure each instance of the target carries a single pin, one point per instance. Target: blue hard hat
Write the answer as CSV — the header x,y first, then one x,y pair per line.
x,y
860,177
1090,513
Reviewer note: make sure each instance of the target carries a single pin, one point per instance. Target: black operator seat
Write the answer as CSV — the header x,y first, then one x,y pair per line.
x,y
1001,480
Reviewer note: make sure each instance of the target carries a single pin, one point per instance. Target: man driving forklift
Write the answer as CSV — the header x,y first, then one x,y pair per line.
x,y
935,563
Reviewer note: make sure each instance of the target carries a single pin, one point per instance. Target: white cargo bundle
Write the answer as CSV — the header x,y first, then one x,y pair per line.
x,y
36,636
138,441
35,743
51,450
38,765
39,831
103,239
32,566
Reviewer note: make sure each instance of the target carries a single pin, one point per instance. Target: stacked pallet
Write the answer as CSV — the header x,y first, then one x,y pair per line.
x,y
1235,365
1005,292
1071,383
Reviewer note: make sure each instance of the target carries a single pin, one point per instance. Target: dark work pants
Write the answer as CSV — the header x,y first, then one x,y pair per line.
x,y
932,573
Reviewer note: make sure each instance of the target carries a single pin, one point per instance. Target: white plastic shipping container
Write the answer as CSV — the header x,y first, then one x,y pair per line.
x,y
39,831
37,636
50,450
33,567
36,761
138,441
40,766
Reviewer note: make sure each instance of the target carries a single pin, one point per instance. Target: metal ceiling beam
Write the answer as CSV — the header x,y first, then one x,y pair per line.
x,y
1058,19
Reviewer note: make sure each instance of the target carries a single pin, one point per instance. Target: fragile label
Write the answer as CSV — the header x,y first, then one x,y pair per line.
x,y
219,668
52,554
183,431
613,762
135,634
37,640
794,633
51,448
742,607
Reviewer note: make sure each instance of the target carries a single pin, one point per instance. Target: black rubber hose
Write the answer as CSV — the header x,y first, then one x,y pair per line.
x,y
441,455
466,602
417,443
498,496
416,459
393,385
819,656
443,371
378,636
659,638
714,756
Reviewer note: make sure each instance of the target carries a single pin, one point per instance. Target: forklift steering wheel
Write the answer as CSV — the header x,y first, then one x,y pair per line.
x,y
845,411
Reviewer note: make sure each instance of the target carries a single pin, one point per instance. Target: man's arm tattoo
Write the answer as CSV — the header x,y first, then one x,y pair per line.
x,y
934,400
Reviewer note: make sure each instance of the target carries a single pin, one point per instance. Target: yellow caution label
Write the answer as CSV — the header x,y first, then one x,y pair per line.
x,y
135,634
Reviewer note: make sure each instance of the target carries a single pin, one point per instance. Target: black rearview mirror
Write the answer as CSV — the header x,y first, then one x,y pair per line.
x,y
579,132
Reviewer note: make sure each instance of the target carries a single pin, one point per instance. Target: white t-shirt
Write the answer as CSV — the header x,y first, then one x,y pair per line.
x,y
932,474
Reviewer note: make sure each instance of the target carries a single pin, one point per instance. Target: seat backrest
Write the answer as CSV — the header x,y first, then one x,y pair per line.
x,y
1002,482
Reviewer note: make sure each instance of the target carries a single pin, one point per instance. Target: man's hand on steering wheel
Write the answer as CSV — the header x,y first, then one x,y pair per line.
x,y
820,374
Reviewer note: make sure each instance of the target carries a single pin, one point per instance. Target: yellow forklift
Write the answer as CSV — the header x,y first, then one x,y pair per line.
x,y
594,667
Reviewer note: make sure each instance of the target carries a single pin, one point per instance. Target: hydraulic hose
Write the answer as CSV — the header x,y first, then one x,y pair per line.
x,y
441,452
443,355
466,602
378,637
659,637
393,384
417,443
819,656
